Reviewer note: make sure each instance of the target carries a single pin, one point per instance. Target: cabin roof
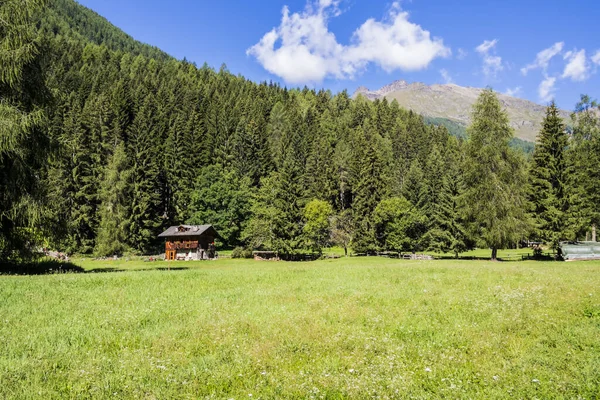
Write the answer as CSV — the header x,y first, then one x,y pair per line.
x,y
190,230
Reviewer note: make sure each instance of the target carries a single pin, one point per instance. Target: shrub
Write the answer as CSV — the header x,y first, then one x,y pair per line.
x,y
241,252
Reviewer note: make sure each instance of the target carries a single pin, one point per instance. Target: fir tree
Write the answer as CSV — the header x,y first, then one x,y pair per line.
x,y
495,177
145,217
584,169
23,140
548,175
370,190
114,210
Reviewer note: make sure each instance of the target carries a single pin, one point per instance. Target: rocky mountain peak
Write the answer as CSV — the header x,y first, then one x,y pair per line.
x,y
455,102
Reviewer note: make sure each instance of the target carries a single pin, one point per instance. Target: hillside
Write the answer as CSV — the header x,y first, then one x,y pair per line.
x,y
454,102
70,19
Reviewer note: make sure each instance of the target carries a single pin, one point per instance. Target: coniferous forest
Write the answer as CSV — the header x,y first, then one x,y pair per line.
x,y
105,142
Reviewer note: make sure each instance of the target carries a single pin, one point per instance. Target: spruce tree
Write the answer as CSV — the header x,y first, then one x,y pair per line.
x,y
370,189
584,169
144,145
114,210
437,205
547,177
495,177
23,140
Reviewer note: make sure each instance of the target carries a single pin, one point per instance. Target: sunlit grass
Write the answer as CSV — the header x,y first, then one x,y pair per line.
x,y
345,328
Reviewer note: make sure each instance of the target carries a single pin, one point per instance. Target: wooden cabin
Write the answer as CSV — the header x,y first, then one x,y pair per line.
x,y
190,242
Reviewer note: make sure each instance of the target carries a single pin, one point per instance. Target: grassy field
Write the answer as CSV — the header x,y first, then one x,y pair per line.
x,y
346,328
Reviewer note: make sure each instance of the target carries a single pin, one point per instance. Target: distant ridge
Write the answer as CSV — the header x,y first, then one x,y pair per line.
x,y
454,103
70,19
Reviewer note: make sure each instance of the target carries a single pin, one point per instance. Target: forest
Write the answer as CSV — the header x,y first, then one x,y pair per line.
x,y
105,142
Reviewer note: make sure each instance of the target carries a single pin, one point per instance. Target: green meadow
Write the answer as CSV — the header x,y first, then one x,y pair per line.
x,y
346,328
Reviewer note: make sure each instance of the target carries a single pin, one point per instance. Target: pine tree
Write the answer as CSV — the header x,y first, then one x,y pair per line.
x,y
145,218
370,190
584,169
23,141
413,189
548,174
437,204
495,177
114,209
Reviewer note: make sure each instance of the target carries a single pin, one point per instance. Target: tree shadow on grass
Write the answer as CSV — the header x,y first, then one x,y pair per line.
x,y
43,267
110,269
50,266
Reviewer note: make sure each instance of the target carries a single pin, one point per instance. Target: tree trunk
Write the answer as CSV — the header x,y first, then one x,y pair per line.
x,y
346,251
594,233
494,254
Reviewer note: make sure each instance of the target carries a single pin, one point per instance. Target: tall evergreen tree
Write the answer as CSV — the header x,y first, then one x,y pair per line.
x,y
145,217
23,141
495,177
371,188
114,210
547,176
584,169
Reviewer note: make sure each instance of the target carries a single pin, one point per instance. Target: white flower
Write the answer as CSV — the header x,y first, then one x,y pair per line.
x,y
495,377
351,371
427,369
263,373
535,380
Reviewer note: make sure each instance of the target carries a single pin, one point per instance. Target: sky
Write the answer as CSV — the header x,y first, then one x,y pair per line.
x,y
532,49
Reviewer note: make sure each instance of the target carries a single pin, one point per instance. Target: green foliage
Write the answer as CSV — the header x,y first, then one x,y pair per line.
x,y
371,187
220,198
316,228
584,168
399,226
495,178
459,131
548,193
113,211
241,252
145,141
24,144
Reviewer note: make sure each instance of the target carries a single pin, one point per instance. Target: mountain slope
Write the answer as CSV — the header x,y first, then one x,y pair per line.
x,y
454,102
71,19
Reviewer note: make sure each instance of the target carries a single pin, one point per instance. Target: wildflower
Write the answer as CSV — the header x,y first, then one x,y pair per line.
x,y
427,369
495,377
535,381
351,371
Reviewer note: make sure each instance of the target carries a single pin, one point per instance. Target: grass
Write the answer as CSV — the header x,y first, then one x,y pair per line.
x,y
345,328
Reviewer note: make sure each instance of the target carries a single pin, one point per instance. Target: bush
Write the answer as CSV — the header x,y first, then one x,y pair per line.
x,y
241,252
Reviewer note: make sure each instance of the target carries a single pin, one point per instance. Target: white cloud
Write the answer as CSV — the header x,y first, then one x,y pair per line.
x,y
462,54
596,58
492,64
546,89
543,58
302,49
446,76
513,92
577,67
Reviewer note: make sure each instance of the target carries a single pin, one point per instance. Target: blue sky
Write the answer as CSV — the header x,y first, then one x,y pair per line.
x,y
536,50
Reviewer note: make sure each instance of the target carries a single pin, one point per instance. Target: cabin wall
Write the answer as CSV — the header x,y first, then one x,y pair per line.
x,y
187,247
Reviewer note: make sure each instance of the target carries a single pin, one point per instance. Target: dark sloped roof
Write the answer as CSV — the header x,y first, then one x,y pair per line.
x,y
190,230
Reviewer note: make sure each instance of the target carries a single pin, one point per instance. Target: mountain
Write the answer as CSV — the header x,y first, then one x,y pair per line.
x,y
70,19
454,103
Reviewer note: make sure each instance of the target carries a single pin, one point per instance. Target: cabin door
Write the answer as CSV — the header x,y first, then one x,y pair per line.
x,y
170,255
